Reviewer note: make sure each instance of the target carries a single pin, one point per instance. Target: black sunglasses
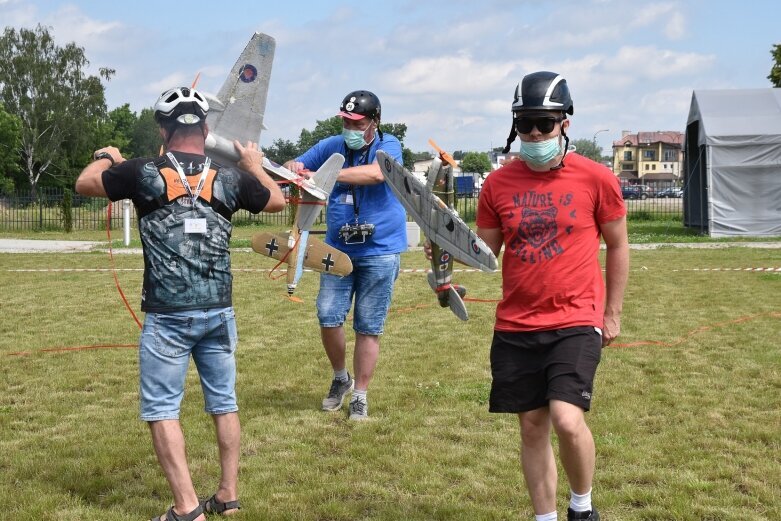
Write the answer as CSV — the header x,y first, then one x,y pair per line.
x,y
524,125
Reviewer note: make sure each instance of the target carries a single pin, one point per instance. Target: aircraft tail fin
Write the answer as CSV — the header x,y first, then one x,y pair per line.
x,y
452,297
238,109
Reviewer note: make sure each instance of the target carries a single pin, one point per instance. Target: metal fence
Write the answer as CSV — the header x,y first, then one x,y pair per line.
x,y
22,211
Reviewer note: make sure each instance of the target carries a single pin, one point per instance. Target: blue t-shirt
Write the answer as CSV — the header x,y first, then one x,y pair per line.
x,y
375,204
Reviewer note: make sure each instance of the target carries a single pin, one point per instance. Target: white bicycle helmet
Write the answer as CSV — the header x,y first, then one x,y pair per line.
x,y
183,105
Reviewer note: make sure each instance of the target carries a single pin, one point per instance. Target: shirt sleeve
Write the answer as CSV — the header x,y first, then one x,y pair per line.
x,y
318,154
486,215
392,147
121,181
611,203
253,196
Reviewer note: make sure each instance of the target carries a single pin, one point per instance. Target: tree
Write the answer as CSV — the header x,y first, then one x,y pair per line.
x,y
775,71
145,139
476,162
588,148
323,129
282,150
59,107
10,139
122,122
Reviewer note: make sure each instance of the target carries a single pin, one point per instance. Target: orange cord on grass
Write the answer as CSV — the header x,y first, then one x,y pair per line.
x,y
113,267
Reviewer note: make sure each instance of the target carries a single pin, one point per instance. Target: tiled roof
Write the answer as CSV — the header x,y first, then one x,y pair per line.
x,y
668,136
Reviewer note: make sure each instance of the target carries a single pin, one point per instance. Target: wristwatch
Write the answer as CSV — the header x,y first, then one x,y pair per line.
x,y
104,155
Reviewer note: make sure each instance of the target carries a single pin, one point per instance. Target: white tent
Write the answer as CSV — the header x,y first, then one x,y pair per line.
x,y
733,162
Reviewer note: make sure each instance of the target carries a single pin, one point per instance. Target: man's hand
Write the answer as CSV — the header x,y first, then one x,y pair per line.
x,y
611,329
251,156
427,249
114,152
297,167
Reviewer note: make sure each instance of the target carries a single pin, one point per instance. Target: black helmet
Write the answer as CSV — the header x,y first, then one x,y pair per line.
x,y
181,105
543,91
359,104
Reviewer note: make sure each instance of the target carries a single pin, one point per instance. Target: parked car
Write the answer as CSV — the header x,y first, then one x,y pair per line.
x,y
671,192
633,192
647,190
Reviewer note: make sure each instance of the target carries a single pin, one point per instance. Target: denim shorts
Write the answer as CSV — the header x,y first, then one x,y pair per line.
x,y
167,341
370,283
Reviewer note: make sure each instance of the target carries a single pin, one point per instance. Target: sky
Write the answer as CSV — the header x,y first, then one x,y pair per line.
x,y
447,69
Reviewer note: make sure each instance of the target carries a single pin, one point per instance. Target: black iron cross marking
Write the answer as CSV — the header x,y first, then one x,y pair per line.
x,y
272,247
327,262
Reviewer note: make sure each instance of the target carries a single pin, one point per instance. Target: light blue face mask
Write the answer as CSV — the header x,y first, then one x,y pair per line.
x,y
541,152
354,139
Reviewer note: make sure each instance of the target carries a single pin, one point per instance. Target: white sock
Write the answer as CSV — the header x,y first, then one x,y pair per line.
x,y
341,375
359,395
546,517
580,502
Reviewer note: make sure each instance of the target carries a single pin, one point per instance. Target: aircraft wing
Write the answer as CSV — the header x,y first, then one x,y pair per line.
x,y
274,245
441,224
321,257
318,256
238,109
323,181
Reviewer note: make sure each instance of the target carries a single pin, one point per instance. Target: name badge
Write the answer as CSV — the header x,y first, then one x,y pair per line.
x,y
346,198
195,226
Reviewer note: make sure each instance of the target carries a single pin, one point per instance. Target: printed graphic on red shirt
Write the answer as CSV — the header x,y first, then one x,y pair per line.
x,y
536,225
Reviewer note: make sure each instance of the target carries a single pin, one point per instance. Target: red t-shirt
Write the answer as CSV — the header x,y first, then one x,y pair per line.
x,y
551,277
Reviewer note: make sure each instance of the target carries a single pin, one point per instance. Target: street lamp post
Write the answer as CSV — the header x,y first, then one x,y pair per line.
x,y
594,140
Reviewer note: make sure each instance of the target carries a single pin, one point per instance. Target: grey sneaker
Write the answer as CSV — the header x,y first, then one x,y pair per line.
x,y
335,398
359,409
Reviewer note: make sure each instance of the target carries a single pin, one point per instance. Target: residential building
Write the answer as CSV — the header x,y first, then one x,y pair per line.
x,y
650,158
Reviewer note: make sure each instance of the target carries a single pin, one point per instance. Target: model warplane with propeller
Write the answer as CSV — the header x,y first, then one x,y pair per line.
x,y
295,247
236,113
450,237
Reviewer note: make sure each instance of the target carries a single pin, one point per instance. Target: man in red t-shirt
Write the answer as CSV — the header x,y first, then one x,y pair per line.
x,y
556,313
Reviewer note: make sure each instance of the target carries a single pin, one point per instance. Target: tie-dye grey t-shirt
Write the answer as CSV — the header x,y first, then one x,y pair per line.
x,y
184,268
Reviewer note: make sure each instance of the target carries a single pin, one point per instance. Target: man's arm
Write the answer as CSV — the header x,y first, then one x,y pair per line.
x,y
492,237
362,175
354,175
90,182
252,161
616,275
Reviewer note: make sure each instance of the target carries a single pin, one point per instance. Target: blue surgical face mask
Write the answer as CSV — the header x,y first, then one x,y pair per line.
x,y
354,139
541,152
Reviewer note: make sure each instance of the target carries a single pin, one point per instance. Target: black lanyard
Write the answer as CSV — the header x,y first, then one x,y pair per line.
x,y
362,161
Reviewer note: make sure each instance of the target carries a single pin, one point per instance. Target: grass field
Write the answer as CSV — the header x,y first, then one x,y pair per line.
x,y
686,415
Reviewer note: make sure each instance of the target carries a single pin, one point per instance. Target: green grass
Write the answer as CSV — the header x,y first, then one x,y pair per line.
x,y
686,416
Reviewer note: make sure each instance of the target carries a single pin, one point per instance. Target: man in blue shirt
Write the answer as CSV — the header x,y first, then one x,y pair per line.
x,y
367,222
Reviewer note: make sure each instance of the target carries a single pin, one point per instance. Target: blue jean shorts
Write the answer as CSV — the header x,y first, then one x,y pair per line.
x,y
167,341
370,283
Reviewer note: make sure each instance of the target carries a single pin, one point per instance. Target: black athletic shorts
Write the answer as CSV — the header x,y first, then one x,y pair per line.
x,y
531,368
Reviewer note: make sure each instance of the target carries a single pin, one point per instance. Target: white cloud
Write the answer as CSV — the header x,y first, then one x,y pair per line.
x,y
454,74
676,27
653,63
